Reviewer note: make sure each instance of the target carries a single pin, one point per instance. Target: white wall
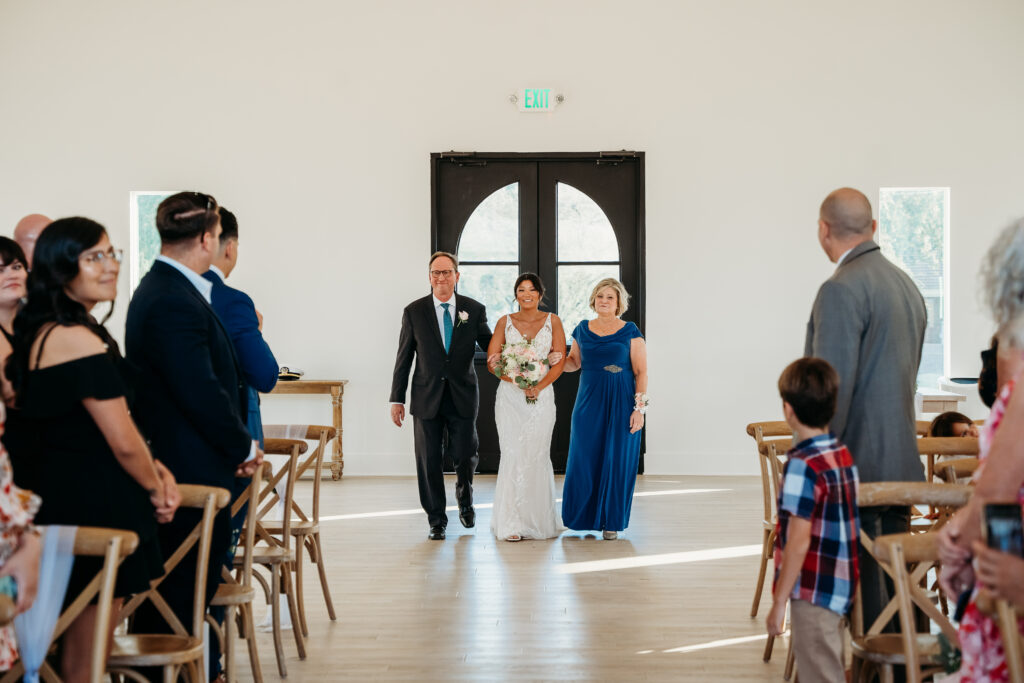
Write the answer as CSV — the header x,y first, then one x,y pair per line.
x,y
313,121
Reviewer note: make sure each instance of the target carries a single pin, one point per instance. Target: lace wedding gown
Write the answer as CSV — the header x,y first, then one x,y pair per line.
x,y
524,498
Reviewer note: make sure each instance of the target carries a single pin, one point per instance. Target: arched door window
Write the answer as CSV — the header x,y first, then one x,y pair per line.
x,y
489,252
588,252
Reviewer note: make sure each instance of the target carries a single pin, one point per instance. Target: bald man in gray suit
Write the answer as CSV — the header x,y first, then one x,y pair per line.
x,y
868,321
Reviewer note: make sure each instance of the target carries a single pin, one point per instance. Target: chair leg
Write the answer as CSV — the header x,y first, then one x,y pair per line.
x,y
886,674
300,641
769,644
250,639
299,593
275,607
790,660
229,644
765,554
323,575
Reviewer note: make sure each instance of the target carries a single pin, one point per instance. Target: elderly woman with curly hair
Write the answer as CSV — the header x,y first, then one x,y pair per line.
x,y
1001,475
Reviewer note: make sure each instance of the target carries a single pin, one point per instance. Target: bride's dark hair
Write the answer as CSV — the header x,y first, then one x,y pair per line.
x,y
534,280
54,266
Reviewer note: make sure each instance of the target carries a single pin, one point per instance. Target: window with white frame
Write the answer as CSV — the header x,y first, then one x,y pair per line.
x,y
913,231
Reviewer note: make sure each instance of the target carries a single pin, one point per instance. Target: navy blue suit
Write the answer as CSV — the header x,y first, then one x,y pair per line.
x,y
257,361
190,407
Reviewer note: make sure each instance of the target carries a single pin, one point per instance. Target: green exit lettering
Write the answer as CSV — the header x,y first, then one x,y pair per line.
x,y
536,98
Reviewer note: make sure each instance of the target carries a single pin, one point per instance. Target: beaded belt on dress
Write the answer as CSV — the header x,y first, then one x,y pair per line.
x,y
608,368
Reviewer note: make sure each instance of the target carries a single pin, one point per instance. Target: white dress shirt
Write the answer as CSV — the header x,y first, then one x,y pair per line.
x,y
845,254
218,272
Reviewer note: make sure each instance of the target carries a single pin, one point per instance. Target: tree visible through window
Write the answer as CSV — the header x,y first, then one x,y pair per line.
x,y
913,231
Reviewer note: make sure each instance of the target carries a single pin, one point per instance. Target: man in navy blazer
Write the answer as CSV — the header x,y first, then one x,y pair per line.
x,y
243,322
191,394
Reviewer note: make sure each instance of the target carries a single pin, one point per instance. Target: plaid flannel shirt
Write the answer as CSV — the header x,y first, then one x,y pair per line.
x,y
819,483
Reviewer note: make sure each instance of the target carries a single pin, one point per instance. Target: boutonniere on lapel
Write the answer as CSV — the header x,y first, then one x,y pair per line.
x,y
463,317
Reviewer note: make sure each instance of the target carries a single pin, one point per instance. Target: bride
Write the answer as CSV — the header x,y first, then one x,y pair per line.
x,y
524,498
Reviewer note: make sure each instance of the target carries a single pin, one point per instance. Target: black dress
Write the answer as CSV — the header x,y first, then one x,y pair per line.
x,y
59,453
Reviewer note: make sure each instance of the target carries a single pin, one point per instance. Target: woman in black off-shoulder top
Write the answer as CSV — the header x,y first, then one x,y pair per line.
x,y
73,441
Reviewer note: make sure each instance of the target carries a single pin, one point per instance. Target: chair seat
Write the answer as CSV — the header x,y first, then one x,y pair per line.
x,y
233,594
153,650
265,554
887,648
299,528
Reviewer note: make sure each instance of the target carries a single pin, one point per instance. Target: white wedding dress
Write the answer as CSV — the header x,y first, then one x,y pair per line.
x,y
524,497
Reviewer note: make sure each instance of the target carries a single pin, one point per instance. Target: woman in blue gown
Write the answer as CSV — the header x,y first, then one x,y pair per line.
x,y
604,448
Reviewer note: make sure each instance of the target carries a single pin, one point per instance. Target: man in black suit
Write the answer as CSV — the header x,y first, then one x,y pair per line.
x,y
442,331
191,398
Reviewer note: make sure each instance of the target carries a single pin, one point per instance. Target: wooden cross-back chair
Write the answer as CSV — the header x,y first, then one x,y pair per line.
x,y
1007,617
306,528
872,647
909,557
767,432
113,545
275,552
934,447
181,650
773,440
238,593
957,470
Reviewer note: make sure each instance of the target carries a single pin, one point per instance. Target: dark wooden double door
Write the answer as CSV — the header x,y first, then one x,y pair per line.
x,y
570,218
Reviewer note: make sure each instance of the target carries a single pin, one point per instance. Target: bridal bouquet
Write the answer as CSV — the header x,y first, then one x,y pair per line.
x,y
523,363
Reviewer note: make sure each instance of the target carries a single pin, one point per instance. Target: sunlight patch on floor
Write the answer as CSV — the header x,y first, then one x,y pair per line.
x,y
655,560
713,644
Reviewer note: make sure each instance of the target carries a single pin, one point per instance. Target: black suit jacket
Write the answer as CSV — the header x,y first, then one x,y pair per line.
x,y
421,337
191,398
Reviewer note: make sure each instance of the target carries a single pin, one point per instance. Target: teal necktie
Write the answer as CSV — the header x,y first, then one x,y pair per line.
x,y
447,328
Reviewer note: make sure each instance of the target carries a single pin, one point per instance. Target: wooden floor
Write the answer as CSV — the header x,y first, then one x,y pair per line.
x,y
668,601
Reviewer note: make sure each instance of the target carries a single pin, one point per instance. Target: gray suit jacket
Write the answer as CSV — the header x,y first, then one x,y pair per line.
x,y
868,321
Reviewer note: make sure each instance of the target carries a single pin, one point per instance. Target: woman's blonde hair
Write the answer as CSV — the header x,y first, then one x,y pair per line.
x,y
620,293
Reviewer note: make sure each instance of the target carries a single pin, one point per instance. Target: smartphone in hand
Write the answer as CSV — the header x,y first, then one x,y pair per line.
x,y
1003,528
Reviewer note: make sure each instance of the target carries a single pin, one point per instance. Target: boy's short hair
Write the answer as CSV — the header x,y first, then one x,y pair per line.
x,y
810,386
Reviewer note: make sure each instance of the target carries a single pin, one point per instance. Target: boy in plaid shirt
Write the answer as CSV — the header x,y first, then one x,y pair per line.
x,y
816,540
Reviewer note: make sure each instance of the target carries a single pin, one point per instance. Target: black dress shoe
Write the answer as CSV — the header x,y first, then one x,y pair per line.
x,y
467,515
437,533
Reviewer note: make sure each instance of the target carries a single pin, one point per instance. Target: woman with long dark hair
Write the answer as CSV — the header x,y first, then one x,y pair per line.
x,y
76,444
13,275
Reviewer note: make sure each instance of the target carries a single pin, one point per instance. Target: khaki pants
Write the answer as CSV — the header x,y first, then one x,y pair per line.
x,y
817,643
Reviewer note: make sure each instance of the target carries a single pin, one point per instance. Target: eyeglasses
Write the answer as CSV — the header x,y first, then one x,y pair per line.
x,y
99,258
438,274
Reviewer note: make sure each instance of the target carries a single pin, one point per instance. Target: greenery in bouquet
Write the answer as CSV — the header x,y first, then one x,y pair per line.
x,y
523,363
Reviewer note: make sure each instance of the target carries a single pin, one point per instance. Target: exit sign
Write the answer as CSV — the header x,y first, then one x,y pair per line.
x,y
537,99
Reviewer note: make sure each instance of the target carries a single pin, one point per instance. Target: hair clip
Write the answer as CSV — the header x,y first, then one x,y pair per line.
x,y
188,214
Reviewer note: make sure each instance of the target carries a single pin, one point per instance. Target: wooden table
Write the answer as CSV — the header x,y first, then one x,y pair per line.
x,y
336,389
938,401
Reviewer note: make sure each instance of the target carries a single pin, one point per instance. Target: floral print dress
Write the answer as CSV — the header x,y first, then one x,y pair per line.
x,y
983,659
17,509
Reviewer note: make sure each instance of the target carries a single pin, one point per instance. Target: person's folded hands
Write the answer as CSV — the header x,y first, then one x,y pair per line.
x,y
247,468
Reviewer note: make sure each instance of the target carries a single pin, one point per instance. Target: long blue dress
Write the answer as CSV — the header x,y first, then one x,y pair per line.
x,y
603,455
